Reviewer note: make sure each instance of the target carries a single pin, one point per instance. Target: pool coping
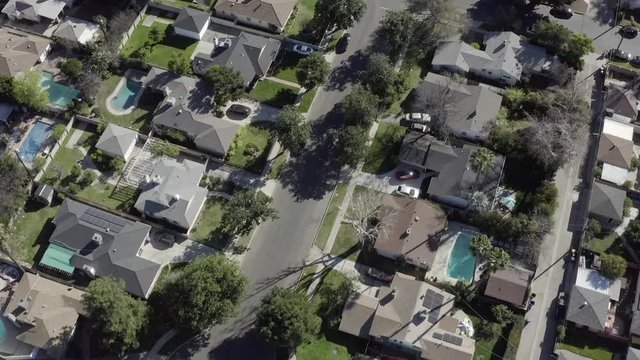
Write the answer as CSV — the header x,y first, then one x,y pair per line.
x,y
440,267
115,91
16,147
470,231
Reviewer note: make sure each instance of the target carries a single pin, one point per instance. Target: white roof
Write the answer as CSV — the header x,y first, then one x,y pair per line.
x,y
77,30
5,111
614,174
618,129
594,280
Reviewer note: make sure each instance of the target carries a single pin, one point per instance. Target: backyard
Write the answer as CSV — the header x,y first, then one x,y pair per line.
x,y
384,148
59,169
251,146
137,119
207,230
32,231
304,12
161,53
274,93
584,343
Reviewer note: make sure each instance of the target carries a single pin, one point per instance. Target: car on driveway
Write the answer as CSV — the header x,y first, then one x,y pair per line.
x,y
562,12
561,307
343,43
409,191
303,50
407,174
417,118
376,274
618,54
629,31
240,109
419,127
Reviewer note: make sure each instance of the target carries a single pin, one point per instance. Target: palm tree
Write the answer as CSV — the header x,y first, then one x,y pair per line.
x,y
480,245
478,201
482,162
497,259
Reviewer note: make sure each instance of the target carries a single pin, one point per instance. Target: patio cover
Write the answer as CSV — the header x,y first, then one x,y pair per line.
x,y
58,258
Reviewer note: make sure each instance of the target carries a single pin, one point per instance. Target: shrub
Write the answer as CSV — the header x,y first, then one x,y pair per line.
x,y
561,332
628,203
117,164
38,163
175,136
628,184
74,188
502,314
594,227
101,127
251,150
597,172
72,68
613,266
88,177
76,171
486,330
97,156
475,45
165,148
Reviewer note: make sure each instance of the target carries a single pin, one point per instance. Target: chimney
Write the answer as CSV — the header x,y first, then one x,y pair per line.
x,y
176,197
416,218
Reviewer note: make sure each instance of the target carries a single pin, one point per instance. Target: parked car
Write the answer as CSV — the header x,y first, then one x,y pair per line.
x,y
343,43
240,109
635,61
621,55
303,50
417,118
561,307
379,275
167,238
407,174
563,12
419,127
408,191
629,31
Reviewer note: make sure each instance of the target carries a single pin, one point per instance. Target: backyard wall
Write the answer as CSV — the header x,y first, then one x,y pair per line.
x,y
139,18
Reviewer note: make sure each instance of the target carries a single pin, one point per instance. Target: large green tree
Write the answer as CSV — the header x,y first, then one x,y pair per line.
x,y
360,107
396,30
352,145
613,266
180,65
27,91
13,186
287,319
247,209
227,84
206,292
570,47
71,68
480,245
342,14
497,259
312,70
291,129
483,161
117,316
382,79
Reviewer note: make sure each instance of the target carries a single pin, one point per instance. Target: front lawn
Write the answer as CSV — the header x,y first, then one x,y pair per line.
x,y
601,243
137,119
384,148
330,215
160,54
305,11
286,70
279,163
207,230
322,349
32,230
274,93
251,147
307,99
346,243
587,344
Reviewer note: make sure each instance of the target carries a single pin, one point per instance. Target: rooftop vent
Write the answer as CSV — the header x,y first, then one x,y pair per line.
x,y
97,238
223,43
90,271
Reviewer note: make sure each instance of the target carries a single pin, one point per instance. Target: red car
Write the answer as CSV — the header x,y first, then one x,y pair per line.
x,y
407,174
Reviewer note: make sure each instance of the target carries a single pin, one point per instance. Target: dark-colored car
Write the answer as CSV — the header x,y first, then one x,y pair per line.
x,y
561,307
379,275
240,109
562,12
407,174
635,61
343,43
621,55
629,31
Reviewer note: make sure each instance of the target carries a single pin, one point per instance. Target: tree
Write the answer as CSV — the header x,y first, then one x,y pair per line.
x,y
352,145
156,36
118,317
38,163
382,79
332,294
497,259
360,107
367,217
88,177
480,245
286,319
6,87
101,61
206,292
502,314
227,84
464,292
437,101
486,330
593,227
561,41
632,232
13,186
247,209
58,132
180,65
27,91
312,70
483,161
165,148
89,85
436,20
117,26
117,164
396,30
72,68
342,14
578,46
76,171
291,129
613,266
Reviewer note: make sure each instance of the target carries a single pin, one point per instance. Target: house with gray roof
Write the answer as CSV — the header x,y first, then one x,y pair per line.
x,y
191,23
593,300
36,10
188,107
117,141
450,176
606,204
104,244
172,193
622,102
271,15
470,109
251,55
504,59
634,329
76,30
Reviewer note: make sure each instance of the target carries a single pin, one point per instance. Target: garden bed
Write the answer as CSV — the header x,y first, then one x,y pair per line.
x,y
251,146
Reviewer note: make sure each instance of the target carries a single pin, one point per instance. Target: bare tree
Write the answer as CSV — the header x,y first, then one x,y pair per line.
x,y
436,100
531,241
436,20
89,85
368,217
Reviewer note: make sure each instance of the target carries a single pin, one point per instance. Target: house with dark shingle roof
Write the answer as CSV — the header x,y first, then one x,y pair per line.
x,y
104,244
21,51
510,285
77,30
606,204
270,15
615,151
622,102
36,10
251,55
593,300
117,141
191,23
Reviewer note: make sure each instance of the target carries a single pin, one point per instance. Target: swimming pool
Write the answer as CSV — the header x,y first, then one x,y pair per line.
x,y
462,262
58,94
32,145
126,95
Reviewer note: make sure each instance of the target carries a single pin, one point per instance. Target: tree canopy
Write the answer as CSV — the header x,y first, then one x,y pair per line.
x,y
360,107
291,129
13,186
27,91
569,47
312,70
227,84
483,161
180,65
480,245
71,68
342,14
352,145
382,79
118,317
206,292
436,20
247,209
613,266
396,30
286,319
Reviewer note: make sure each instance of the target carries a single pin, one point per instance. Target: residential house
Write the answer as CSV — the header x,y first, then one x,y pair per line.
x,y
412,230
100,244
505,58
451,180
251,55
188,108
471,109
172,193
593,301
616,152
271,15
606,204
191,23
36,10
117,141
77,30
621,103
414,318
6,111
510,285
20,51
634,329
45,312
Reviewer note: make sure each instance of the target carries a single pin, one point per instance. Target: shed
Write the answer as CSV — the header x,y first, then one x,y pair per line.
x,y
44,194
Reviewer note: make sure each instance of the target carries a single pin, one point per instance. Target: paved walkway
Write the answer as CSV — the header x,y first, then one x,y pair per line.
x,y
76,133
284,82
150,19
184,251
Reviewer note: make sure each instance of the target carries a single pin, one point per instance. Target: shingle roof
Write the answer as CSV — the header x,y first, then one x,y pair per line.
x,y
19,51
275,12
607,201
31,9
116,140
588,307
509,285
77,30
622,101
615,151
191,20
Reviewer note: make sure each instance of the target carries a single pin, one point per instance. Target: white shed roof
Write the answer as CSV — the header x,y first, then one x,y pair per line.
x,y
618,129
614,174
594,280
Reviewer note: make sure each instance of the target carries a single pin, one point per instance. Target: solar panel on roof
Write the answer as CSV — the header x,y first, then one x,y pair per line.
x,y
433,301
433,318
437,336
452,339
103,220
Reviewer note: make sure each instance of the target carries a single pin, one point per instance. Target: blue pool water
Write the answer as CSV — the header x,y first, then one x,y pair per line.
x,y
58,94
32,145
462,262
126,95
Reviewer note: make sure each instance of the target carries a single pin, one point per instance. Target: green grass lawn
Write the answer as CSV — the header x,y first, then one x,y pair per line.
x,y
331,46
347,239
160,54
274,93
307,99
625,65
330,216
286,70
185,4
322,349
584,343
207,229
59,169
305,12
32,230
137,119
103,193
306,278
384,148
602,243
278,165
258,134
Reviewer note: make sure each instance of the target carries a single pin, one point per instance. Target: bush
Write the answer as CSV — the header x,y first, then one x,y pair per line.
x,y
117,164
475,45
251,150
76,171
561,332
486,330
175,136
88,177
72,68
628,184
613,266
165,148
38,163
628,203
74,188
97,156
502,314
597,172
594,227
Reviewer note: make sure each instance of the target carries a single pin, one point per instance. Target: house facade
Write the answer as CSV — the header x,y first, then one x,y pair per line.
x,y
21,51
117,141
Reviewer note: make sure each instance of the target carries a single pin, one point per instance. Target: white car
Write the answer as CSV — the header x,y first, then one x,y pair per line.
x,y
420,127
303,50
417,117
408,191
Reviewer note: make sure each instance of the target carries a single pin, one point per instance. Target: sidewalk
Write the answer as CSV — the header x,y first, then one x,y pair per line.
x,y
283,82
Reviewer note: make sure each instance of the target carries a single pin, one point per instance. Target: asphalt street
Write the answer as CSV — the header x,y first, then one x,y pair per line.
x,y
276,254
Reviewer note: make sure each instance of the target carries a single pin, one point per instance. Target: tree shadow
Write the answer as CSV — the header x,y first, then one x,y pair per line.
x,y
284,96
604,12
348,72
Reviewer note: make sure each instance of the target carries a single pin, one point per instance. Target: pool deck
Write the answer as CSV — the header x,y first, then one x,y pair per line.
x,y
115,92
441,261
29,123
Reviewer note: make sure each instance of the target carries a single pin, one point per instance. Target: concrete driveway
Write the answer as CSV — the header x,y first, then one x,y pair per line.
x,y
184,250
259,112
387,182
